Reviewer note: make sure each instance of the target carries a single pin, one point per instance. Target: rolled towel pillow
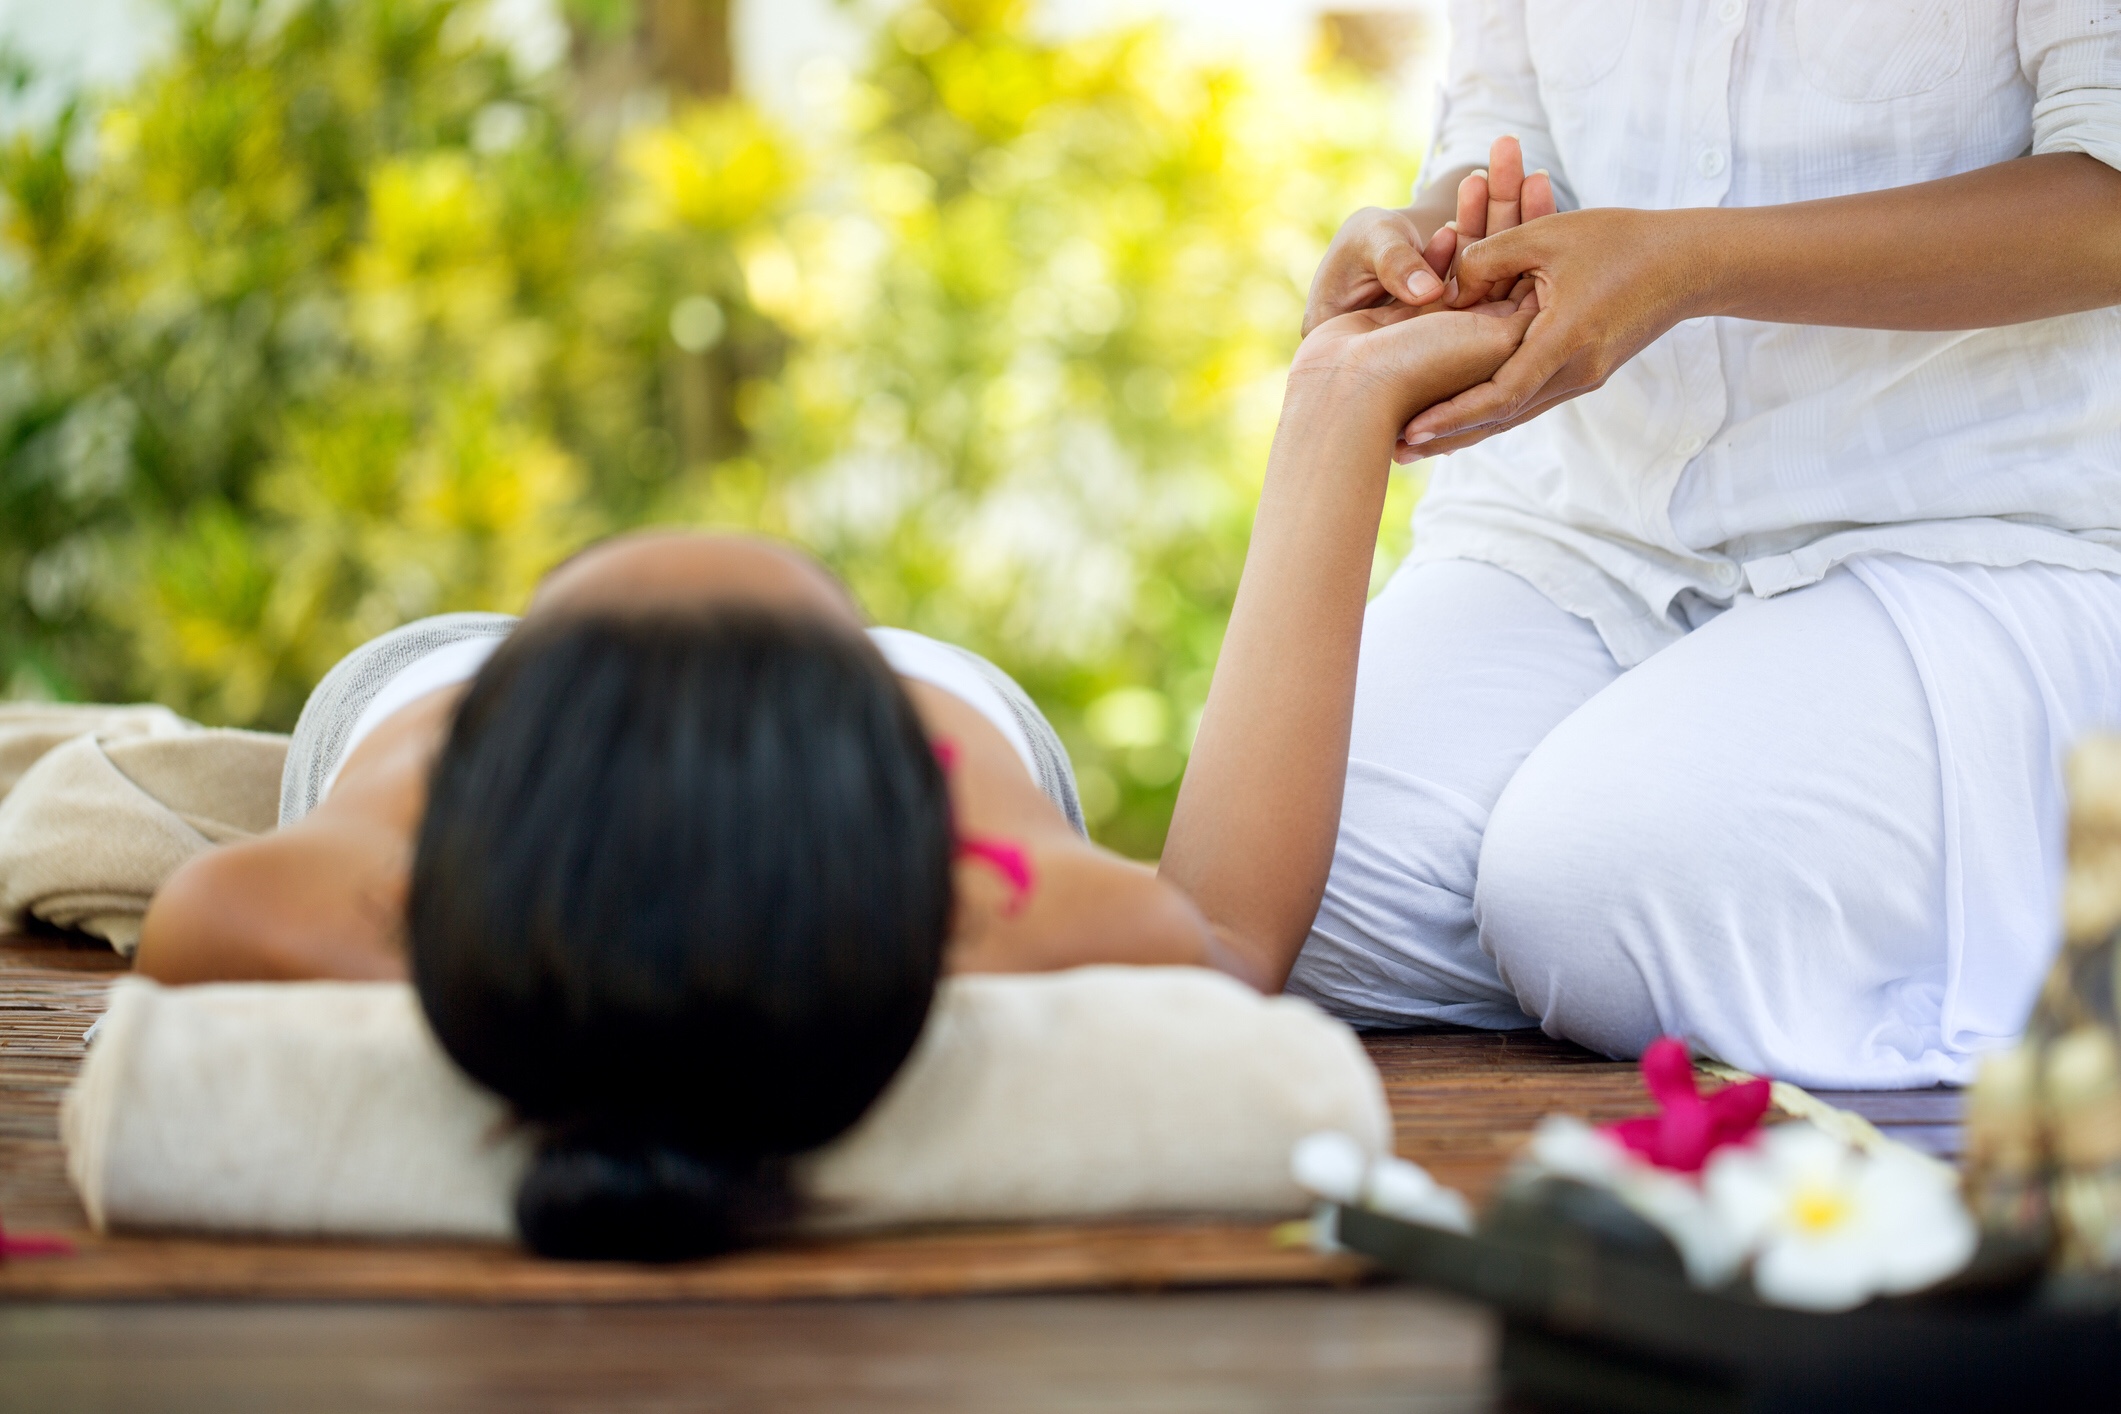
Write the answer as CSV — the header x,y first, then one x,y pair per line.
x,y
326,1108
292,1108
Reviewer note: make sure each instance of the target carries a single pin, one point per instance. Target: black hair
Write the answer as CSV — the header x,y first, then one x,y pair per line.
x,y
680,896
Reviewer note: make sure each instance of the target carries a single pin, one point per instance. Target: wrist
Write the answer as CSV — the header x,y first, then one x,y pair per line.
x,y
1700,250
1334,390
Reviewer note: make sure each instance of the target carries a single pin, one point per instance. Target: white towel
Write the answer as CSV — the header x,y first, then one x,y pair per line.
x,y
327,1108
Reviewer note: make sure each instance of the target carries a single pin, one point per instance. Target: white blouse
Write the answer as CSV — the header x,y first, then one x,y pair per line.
x,y
1733,456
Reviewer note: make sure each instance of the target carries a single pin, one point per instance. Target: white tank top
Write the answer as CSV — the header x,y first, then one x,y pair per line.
x,y
911,655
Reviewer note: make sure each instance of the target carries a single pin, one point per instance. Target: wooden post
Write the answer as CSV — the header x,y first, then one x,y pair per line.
x,y
686,45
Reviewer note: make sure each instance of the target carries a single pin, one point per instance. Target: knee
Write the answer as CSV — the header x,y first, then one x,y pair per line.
x,y
1393,942
1575,901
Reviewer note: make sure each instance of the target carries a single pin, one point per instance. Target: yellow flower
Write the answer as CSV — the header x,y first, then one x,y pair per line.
x,y
718,168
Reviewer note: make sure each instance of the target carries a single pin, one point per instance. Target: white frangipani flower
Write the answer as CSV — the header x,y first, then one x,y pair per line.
x,y
1404,1190
1331,1165
1831,1227
1337,1168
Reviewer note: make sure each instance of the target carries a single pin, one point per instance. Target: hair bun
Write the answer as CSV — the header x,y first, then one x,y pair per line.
x,y
644,1201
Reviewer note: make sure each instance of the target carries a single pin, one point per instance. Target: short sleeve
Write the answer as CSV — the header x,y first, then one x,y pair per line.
x,y
1489,92
2071,52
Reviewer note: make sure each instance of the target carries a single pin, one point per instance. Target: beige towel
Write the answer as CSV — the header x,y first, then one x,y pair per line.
x,y
326,1108
92,828
29,729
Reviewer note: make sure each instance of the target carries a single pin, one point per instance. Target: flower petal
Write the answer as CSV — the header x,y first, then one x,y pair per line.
x,y
1404,1190
1331,1165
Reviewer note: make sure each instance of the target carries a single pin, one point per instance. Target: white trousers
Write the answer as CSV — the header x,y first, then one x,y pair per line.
x,y
1819,837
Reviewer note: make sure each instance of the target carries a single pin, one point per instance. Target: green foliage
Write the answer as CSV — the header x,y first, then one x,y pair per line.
x,y
335,321
283,355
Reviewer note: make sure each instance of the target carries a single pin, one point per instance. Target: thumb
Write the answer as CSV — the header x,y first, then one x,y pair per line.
x,y
1496,261
1401,266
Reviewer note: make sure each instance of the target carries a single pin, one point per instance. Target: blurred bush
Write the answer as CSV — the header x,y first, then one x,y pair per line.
x,y
337,320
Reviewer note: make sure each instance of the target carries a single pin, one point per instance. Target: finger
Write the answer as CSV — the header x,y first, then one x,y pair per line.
x,y
1513,388
1442,247
1470,283
1397,259
1505,184
1558,391
1538,199
1497,260
1551,397
1473,207
1511,325
1347,278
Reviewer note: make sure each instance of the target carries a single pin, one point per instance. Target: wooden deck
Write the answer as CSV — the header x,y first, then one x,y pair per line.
x,y
1227,1332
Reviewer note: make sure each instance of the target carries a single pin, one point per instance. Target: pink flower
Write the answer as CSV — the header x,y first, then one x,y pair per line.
x,y
1688,1128
33,1246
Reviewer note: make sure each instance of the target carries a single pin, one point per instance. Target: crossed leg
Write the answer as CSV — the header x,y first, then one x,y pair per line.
x,y
1820,836
1464,669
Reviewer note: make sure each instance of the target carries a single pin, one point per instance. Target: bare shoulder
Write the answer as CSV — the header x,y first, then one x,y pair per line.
x,y
991,789
1087,904
323,898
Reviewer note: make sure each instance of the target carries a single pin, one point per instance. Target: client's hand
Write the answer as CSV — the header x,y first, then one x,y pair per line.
x,y
1410,359
1498,197
1382,257
1607,283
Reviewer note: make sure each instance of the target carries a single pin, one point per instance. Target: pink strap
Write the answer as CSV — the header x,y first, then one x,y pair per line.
x,y
1006,857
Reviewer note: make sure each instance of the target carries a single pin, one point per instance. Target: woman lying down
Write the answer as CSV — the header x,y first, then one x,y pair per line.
x,y
676,860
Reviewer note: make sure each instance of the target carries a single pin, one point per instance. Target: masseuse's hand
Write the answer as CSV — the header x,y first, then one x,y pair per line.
x,y
1382,257
1608,282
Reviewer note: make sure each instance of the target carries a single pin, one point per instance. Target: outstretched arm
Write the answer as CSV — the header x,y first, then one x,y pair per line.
x,y
1926,256
1252,838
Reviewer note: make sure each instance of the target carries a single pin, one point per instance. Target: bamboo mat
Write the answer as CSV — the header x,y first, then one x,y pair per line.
x,y
1462,1103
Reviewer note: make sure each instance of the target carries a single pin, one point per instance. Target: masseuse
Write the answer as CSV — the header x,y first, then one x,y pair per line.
x,y
1725,690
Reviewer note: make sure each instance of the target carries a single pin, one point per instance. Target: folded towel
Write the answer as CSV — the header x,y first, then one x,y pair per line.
x,y
29,729
92,828
327,1108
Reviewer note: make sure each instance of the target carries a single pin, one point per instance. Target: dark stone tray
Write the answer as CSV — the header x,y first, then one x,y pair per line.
x,y
1587,1328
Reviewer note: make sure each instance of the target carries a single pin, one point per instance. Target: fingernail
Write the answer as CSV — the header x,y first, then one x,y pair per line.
x,y
1425,287
1480,171
1542,172
1420,437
